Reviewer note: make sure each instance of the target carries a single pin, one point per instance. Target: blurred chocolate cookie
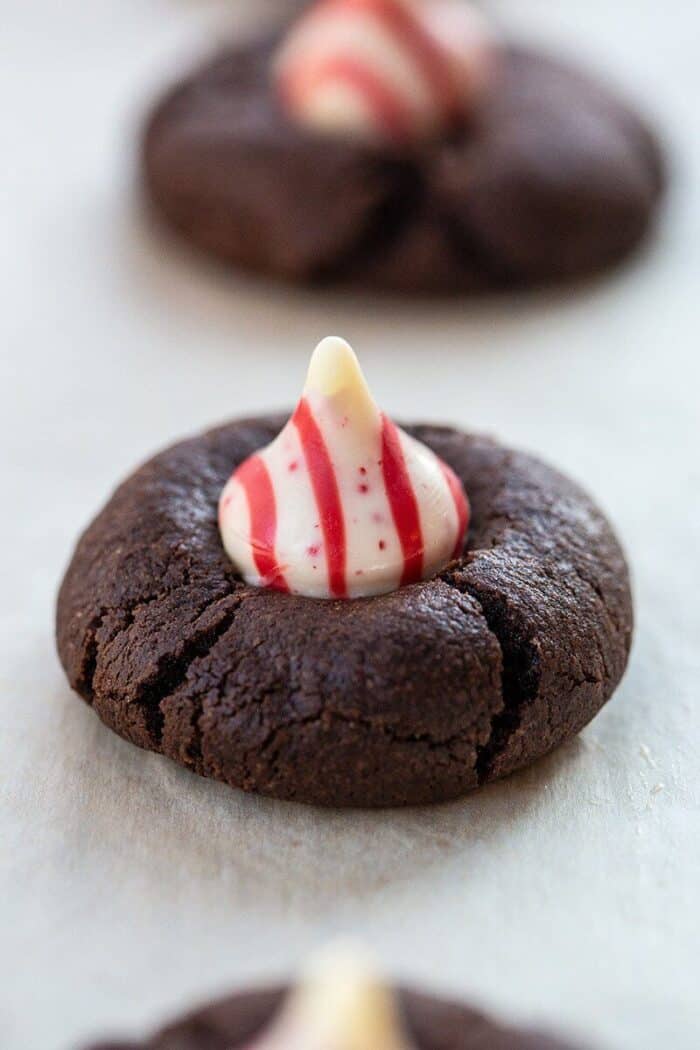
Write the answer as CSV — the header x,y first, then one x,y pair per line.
x,y
546,176
431,1024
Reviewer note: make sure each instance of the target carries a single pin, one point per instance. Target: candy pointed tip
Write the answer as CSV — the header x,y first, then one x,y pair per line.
x,y
344,999
334,367
344,956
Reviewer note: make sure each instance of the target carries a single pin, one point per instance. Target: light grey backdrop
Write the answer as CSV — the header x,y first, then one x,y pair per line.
x,y
130,888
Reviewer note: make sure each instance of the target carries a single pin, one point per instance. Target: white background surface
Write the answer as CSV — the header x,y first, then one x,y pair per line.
x,y
130,888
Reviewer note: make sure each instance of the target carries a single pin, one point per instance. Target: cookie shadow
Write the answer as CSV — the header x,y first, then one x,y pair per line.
x,y
222,307
183,830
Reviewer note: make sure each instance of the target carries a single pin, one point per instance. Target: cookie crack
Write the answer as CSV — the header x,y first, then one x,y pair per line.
x,y
269,747
385,226
194,750
84,683
473,250
171,671
520,677
554,572
596,588
86,676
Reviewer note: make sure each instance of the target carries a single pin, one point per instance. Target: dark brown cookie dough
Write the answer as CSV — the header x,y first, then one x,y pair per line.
x,y
554,178
414,696
432,1024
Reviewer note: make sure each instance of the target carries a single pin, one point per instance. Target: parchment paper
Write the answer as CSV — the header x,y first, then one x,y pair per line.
x,y
566,895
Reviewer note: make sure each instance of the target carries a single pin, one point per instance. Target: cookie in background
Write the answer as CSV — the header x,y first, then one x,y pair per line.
x,y
402,144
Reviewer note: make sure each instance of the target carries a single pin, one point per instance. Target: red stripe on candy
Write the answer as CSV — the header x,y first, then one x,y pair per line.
x,y
461,506
403,503
388,108
426,52
327,495
255,480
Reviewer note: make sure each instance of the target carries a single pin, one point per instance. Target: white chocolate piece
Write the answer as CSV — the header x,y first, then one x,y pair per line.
x,y
340,1004
400,70
342,504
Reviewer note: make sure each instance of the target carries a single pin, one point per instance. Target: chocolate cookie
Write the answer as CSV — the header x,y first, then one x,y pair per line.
x,y
433,1025
414,696
553,178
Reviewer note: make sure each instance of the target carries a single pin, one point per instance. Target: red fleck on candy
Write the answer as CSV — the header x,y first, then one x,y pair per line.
x,y
314,550
363,488
294,465
382,545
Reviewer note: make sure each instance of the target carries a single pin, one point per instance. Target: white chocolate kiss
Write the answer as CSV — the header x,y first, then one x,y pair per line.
x,y
385,69
342,504
340,1004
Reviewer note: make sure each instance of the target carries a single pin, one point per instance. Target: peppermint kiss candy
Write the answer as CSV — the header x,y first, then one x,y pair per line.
x,y
342,504
340,1005
397,70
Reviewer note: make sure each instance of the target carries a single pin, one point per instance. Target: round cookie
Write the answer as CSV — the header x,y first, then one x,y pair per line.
x,y
554,178
410,697
433,1025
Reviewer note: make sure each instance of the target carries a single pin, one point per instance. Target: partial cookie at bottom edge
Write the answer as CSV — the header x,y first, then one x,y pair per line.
x,y
433,1025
